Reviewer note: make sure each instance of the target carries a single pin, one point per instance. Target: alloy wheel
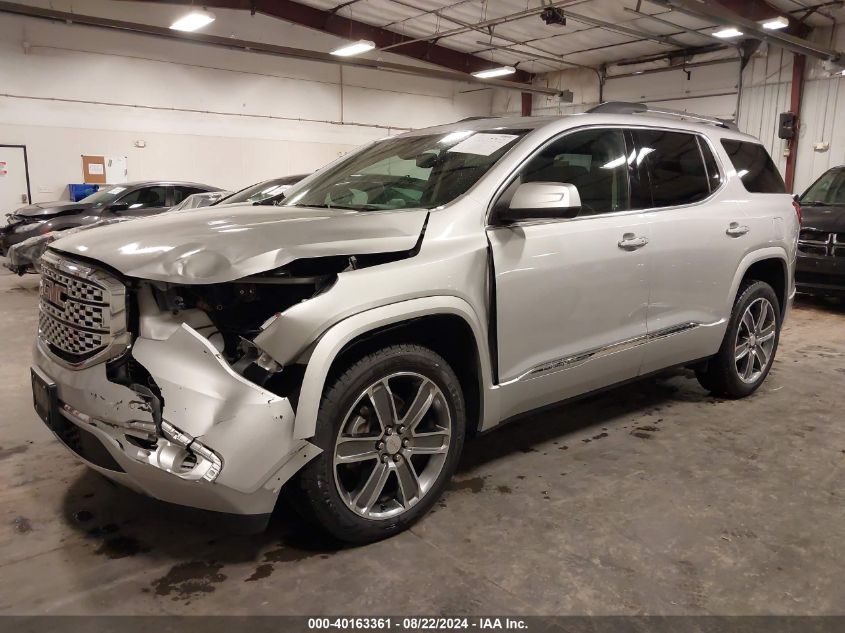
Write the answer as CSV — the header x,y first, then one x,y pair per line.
x,y
392,445
755,340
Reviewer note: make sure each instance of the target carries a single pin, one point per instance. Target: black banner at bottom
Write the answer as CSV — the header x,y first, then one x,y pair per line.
x,y
307,624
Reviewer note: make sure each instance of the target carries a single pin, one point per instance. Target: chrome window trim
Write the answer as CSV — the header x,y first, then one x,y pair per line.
x,y
606,126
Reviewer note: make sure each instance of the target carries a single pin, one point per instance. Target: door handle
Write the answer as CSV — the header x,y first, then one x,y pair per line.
x,y
735,230
631,242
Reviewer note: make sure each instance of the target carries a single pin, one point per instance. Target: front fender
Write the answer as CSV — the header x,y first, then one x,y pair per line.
x,y
339,335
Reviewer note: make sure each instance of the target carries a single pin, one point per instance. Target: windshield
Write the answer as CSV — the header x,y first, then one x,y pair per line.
x,y
829,190
104,196
262,191
407,172
197,200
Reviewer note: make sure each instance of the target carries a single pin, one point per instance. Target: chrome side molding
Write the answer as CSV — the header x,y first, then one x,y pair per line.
x,y
568,362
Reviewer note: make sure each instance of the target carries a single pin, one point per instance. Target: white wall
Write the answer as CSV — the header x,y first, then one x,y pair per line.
x,y
708,90
767,84
226,118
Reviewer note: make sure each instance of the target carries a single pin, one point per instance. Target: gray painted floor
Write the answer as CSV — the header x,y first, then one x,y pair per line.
x,y
653,498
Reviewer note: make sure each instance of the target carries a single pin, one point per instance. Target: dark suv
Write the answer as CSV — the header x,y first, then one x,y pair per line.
x,y
134,198
821,247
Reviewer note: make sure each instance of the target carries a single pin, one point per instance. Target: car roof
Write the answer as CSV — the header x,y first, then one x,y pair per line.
x,y
181,183
492,124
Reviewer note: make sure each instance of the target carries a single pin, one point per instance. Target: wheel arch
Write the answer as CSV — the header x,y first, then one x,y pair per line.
x,y
404,321
769,265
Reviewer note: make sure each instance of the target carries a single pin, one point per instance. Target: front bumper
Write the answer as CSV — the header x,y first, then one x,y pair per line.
x,y
248,428
8,236
820,274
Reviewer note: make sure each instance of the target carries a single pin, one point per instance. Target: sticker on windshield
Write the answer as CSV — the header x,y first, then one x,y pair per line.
x,y
116,190
483,144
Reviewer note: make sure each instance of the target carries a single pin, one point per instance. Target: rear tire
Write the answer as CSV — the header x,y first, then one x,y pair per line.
x,y
391,427
750,344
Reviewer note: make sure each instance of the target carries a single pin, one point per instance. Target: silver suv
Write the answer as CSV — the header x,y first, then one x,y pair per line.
x,y
420,290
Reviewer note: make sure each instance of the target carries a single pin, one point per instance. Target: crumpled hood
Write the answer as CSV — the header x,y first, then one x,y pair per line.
x,y
218,244
50,208
831,219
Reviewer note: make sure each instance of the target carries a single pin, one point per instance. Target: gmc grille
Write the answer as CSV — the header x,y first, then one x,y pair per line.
x,y
82,312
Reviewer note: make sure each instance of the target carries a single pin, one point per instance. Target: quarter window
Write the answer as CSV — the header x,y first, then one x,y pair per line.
x,y
675,166
754,167
592,160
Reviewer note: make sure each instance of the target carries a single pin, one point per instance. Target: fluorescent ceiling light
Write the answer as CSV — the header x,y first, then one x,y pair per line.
x,y
776,24
193,21
356,48
728,33
494,72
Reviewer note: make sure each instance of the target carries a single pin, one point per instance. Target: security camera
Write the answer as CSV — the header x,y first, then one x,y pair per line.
x,y
553,15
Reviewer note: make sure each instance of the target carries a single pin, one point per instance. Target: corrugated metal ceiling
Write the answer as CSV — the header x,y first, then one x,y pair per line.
x,y
529,43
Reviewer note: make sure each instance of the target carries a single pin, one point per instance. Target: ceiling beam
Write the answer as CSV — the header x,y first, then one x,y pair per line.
x,y
259,47
347,28
760,10
720,15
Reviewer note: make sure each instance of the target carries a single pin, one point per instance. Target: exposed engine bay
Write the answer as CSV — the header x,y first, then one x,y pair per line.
x,y
231,314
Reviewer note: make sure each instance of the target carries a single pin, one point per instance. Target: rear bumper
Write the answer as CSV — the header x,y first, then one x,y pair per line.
x,y
218,417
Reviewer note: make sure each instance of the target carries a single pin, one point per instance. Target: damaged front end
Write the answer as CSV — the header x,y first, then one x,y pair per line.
x,y
159,386
152,344
179,401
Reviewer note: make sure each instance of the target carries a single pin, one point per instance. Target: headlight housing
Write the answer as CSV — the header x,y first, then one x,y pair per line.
x,y
23,227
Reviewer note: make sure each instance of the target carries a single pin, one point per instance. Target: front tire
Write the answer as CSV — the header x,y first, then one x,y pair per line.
x,y
750,344
391,427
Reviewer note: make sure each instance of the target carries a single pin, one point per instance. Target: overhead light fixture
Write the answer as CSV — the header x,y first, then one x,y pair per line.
x,y
776,24
355,48
193,21
728,33
494,72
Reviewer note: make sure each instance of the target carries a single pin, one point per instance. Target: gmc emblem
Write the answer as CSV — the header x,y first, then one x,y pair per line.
x,y
54,292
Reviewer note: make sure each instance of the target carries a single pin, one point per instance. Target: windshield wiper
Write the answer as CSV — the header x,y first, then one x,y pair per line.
x,y
324,206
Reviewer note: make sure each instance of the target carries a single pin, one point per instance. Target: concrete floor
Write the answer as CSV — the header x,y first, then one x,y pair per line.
x,y
652,499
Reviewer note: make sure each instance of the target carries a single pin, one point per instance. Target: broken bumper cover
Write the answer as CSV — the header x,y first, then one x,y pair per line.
x,y
224,445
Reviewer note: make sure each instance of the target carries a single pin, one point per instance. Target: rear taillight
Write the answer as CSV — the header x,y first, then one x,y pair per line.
x,y
798,212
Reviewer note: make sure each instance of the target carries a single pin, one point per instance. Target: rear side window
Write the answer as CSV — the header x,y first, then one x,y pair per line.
x,y
675,165
754,166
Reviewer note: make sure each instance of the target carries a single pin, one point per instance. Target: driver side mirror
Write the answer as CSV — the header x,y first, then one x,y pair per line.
x,y
117,207
542,201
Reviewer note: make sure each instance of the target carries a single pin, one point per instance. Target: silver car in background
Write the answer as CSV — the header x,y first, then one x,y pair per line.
x,y
425,288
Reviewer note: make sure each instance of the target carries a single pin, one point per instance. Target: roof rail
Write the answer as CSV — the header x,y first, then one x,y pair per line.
x,y
477,118
623,107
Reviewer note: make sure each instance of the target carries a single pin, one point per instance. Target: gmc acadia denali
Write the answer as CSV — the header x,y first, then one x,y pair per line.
x,y
422,289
